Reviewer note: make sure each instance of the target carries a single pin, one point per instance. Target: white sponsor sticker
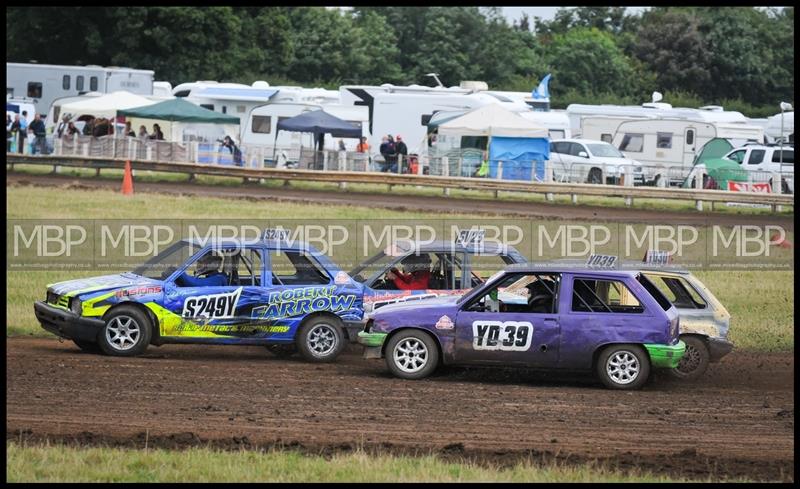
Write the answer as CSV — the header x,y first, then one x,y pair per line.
x,y
278,234
445,322
502,335
471,237
212,306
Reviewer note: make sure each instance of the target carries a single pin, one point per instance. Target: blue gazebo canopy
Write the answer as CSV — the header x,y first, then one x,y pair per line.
x,y
320,122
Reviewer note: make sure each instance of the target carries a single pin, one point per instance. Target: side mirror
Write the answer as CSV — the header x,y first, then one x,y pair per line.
x,y
583,154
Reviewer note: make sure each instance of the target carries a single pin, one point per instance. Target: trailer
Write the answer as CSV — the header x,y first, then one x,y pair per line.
x,y
43,83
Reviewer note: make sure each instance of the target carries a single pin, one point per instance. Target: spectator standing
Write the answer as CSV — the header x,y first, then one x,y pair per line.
x,y
14,129
402,153
88,128
157,134
362,146
62,126
22,132
128,132
231,146
39,134
71,129
143,132
342,147
392,152
384,150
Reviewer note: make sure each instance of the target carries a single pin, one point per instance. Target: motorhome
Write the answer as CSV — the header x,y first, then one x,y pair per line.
x,y
777,127
709,113
666,146
261,125
43,83
239,100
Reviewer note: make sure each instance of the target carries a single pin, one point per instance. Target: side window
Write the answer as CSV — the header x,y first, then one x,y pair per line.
x,y
756,156
207,106
484,266
737,156
690,136
296,268
79,83
210,269
606,138
603,296
262,124
561,147
535,293
788,157
447,269
633,143
575,148
248,268
65,82
34,90
224,109
664,140
93,84
679,292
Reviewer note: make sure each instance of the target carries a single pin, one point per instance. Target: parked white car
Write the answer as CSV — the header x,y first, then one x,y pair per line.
x,y
763,161
591,161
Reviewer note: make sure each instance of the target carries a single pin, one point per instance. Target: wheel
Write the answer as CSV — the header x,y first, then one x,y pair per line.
x,y
694,362
623,366
127,332
282,351
87,346
321,339
595,176
412,354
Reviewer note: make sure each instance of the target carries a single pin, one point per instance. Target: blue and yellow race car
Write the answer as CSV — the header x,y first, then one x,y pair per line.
x,y
285,296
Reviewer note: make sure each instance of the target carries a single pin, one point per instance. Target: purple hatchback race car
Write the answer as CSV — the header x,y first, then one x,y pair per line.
x,y
614,323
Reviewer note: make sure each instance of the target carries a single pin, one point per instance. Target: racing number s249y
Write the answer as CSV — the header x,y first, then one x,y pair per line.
x,y
614,323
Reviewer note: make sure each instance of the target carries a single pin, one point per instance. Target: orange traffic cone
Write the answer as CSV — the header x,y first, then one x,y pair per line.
x,y
127,180
777,240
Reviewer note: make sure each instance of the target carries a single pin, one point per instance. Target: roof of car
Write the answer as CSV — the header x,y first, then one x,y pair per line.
x,y
578,140
562,268
269,243
487,247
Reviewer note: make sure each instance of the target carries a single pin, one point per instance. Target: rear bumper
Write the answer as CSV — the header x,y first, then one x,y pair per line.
x,y
718,348
67,324
666,356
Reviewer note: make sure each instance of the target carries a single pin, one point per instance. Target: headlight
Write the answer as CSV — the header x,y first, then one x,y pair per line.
x,y
76,306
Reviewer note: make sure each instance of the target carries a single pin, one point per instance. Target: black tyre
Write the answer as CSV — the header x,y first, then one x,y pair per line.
x,y
127,332
695,360
595,176
412,354
321,339
87,346
282,351
624,367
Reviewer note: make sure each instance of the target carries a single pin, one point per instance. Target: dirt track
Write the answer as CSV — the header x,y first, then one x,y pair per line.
x,y
738,421
444,205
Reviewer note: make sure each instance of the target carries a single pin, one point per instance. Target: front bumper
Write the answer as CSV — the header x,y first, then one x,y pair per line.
x,y
718,348
666,356
67,324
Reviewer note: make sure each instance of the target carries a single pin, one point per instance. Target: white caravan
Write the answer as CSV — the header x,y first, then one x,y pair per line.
x,y
665,146
44,83
777,126
261,125
238,99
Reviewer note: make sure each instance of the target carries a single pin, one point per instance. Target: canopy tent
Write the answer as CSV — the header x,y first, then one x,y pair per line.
x,y
185,120
714,148
319,123
493,120
178,110
105,105
520,144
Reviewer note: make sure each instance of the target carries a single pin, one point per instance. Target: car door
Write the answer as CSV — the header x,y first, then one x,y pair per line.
x,y
217,311
500,326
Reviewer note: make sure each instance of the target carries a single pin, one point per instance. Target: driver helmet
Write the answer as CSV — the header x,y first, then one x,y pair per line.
x,y
416,263
210,262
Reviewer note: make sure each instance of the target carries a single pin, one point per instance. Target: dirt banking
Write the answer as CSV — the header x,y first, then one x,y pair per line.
x,y
738,421
444,205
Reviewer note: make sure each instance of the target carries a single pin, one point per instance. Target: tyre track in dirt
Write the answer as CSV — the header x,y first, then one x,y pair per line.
x,y
738,421
399,202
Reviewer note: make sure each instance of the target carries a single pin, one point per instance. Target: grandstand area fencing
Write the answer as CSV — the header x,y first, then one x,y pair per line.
x,y
449,165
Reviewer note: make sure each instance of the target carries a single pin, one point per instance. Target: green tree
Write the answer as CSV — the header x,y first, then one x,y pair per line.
x,y
374,53
671,46
588,61
322,40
